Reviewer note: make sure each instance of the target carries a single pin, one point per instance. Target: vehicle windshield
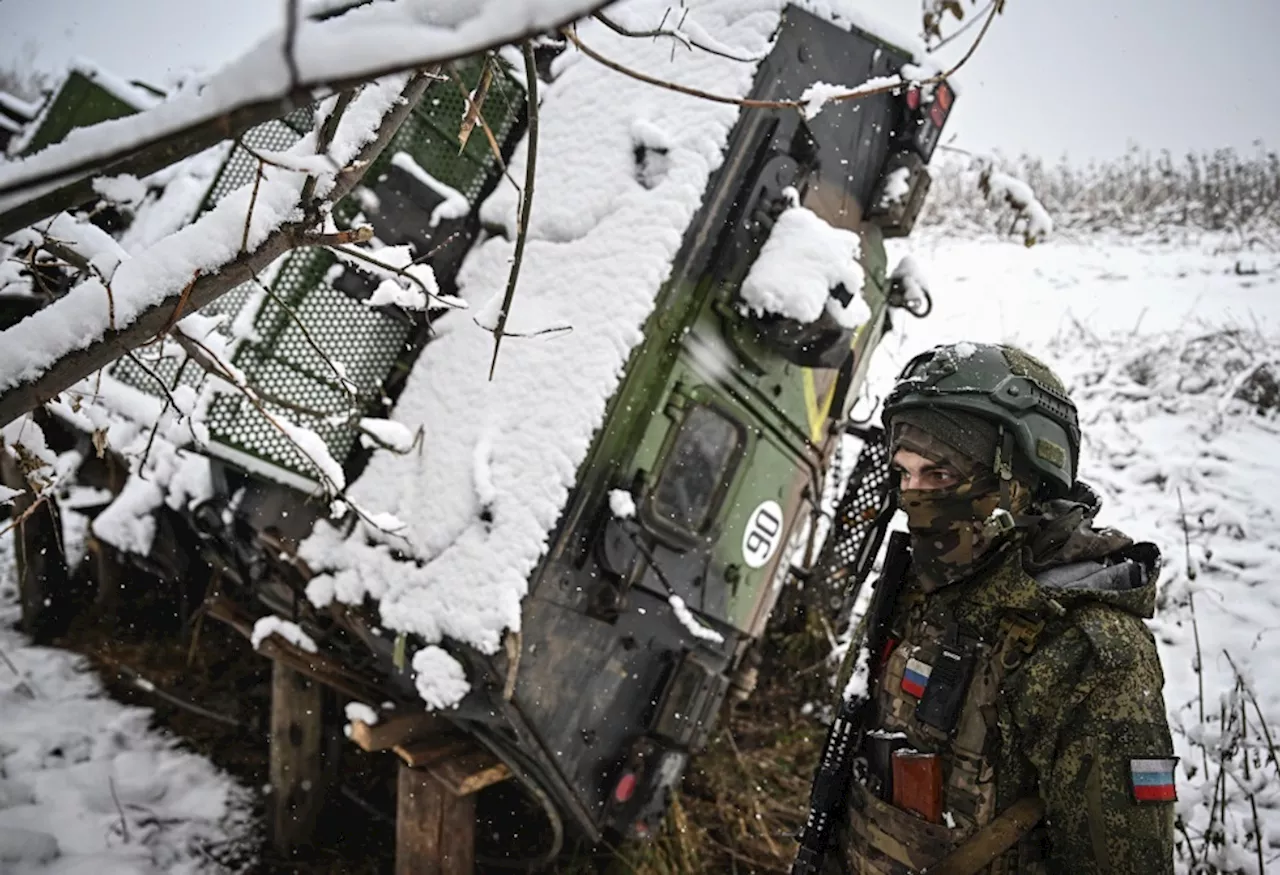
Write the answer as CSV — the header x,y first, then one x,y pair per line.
x,y
697,466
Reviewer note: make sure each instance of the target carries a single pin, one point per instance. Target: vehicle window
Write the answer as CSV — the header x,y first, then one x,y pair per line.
x,y
699,463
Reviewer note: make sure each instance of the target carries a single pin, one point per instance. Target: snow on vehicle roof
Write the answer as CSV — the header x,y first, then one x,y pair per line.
x,y
501,456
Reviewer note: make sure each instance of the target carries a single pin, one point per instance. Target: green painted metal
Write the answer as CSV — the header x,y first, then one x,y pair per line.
x,y
80,102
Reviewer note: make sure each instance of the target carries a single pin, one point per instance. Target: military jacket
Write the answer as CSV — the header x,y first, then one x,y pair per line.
x,y
1061,698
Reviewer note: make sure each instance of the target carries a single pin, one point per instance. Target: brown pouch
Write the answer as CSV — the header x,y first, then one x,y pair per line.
x,y
917,784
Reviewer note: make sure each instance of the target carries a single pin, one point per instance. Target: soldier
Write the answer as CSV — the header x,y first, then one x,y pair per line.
x,y
1010,679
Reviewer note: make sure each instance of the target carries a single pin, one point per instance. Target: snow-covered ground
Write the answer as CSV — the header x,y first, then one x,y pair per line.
x,y
86,786
1153,339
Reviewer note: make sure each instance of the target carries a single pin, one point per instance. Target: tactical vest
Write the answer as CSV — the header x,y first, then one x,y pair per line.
x,y
937,693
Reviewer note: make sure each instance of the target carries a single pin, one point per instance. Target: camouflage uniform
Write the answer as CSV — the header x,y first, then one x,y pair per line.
x,y
1063,693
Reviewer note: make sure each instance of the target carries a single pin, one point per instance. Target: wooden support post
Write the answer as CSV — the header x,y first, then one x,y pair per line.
x,y
435,829
297,767
44,583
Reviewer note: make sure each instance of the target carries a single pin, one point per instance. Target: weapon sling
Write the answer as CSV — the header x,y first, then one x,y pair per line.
x,y
988,843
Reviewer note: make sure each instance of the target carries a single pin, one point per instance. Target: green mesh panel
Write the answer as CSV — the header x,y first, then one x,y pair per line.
x,y
241,167
284,367
79,103
430,134
279,360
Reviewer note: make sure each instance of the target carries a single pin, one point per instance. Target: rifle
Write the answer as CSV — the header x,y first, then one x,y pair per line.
x,y
844,738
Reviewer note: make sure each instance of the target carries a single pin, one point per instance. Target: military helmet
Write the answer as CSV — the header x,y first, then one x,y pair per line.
x,y
1007,386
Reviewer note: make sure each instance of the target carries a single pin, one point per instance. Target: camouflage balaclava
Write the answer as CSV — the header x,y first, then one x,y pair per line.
x,y
954,530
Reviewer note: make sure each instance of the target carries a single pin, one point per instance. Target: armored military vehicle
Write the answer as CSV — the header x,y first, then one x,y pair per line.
x,y
669,552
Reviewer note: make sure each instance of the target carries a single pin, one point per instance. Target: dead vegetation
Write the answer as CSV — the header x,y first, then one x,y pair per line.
x,y
1137,193
745,797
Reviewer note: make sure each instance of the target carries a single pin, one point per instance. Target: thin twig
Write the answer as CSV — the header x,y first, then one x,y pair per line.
x,y
178,307
306,335
489,135
23,683
339,238
526,204
964,28
1262,721
76,260
253,199
170,401
1195,631
328,128
554,329
290,35
1181,825
751,103
986,25
430,253
124,823
683,38
391,268
147,686
1247,784
475,102
22,517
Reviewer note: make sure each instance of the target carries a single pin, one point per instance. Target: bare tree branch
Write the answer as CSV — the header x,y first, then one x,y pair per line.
x,y
797,104
28,394
290,39
324,139
530,169
684,39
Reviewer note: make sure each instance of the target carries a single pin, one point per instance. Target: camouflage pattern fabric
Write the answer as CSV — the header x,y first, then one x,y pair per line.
x,y
1068,720
1086,703
953,530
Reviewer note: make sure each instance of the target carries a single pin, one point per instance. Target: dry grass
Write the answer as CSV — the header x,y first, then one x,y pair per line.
x,y
744,798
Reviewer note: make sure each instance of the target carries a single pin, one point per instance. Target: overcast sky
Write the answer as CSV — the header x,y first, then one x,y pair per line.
x,y
1085,78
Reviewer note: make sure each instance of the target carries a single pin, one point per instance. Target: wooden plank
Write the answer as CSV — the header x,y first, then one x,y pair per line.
x,y
435,830
470,773
297,769
402,729
327,670
418,754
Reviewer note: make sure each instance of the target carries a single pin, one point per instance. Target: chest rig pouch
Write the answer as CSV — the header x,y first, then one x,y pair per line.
x,y
937,694
948,683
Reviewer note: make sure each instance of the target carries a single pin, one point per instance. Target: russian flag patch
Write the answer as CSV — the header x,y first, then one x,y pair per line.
x,y
916,677
1153,780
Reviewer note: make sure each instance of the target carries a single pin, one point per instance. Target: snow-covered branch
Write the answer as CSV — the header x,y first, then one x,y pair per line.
x,y
266,82
72,337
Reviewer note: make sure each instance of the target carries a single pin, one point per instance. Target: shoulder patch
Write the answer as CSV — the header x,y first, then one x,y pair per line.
x,y
1152,780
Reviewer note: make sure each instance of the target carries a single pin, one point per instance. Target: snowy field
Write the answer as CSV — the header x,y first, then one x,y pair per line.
x,y
86,787
1155,340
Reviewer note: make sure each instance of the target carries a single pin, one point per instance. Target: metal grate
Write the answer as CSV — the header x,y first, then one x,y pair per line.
x,y
295,380
241,166
430,134
279,360
855,536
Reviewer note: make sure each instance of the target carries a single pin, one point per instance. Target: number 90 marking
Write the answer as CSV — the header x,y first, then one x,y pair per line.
x,y
763,535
